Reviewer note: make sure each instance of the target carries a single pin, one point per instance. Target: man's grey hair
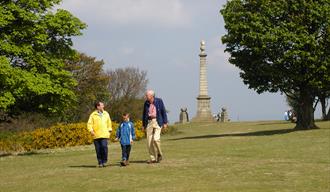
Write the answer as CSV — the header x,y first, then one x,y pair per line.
x,y
151,92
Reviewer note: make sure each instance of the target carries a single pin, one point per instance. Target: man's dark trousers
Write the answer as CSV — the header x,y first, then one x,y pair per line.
x,y
101,148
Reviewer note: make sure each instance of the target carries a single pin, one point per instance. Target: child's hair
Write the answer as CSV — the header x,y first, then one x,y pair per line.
x,y
126,114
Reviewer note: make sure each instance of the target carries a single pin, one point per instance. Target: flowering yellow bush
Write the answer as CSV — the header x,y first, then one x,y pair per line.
x,y
7,146
60,135
137,126
138,130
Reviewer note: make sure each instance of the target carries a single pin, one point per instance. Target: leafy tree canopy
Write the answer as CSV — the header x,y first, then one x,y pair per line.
x,y
92,86
281,46
34,42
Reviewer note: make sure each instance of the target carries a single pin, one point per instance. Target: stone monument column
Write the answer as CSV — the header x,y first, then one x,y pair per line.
x,y
204,113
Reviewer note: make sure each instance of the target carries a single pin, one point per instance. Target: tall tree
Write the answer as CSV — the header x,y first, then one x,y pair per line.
x,y
34,42
92,85
126,87
281,46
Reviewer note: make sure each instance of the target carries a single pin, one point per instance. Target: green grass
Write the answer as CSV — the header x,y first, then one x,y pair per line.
x,y
245,156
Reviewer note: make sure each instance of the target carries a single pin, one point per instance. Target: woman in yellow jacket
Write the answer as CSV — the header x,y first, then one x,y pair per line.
x,y
99,125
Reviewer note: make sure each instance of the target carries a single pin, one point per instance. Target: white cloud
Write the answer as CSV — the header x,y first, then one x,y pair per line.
x,y
163,13
127,50
217,56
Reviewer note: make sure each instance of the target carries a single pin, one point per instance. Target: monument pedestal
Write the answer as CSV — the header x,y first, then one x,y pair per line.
x,y
204,113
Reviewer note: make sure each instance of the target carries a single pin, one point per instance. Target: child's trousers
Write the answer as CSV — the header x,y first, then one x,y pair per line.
x,y
126,149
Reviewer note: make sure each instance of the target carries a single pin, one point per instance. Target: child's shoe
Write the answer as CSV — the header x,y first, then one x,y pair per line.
x,y
122,163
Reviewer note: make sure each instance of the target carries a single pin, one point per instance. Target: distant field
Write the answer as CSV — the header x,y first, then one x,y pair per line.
x,y
246,156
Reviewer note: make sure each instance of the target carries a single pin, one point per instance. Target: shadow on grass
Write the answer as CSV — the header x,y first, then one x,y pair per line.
x,y
275,123
83,166
257,133
5,155
138,162
31,153
94,166
111,165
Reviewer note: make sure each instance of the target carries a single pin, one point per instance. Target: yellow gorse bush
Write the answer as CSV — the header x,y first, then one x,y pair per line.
x,y
60,135
137,126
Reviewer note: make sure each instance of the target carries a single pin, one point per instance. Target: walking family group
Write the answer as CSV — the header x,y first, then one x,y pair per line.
x,y
154,118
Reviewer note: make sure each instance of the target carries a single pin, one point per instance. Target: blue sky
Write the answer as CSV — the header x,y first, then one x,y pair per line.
x,y
162,37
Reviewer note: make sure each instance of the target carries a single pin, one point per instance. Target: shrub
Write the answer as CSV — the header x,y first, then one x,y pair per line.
x,y
8,146
60,135
138,130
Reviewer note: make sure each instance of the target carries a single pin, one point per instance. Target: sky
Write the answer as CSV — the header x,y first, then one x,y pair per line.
x,y
163,38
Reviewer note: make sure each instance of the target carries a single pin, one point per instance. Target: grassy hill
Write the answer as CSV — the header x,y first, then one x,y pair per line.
x,y
244,156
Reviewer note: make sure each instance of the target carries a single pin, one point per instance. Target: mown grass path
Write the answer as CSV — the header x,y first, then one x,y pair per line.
x,y
245,156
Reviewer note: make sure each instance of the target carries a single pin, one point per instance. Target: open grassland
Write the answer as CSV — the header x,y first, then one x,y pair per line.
x,y
242,156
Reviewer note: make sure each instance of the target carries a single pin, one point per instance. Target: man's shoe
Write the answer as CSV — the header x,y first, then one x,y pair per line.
x,y
100,166
127,162
159,158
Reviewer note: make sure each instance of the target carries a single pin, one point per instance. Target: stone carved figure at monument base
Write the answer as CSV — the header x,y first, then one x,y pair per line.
x,y
217,117
184,117
224,115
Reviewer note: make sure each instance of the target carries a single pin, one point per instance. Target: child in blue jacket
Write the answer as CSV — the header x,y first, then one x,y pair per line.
x,y
125,134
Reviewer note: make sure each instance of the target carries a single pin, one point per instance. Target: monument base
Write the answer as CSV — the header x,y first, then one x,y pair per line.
x,y
203,110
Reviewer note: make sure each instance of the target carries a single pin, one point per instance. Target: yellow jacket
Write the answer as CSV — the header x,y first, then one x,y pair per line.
x,y
100,124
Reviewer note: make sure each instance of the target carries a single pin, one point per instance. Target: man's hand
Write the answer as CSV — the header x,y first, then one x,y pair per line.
x,y
116,139
164,128
92,132
143,129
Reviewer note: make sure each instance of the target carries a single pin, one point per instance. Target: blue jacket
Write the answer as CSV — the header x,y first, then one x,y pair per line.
x,y
160,112
125,133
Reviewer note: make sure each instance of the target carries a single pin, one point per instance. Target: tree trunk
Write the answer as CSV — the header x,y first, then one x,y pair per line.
x,y
327,117
305,112
323,108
